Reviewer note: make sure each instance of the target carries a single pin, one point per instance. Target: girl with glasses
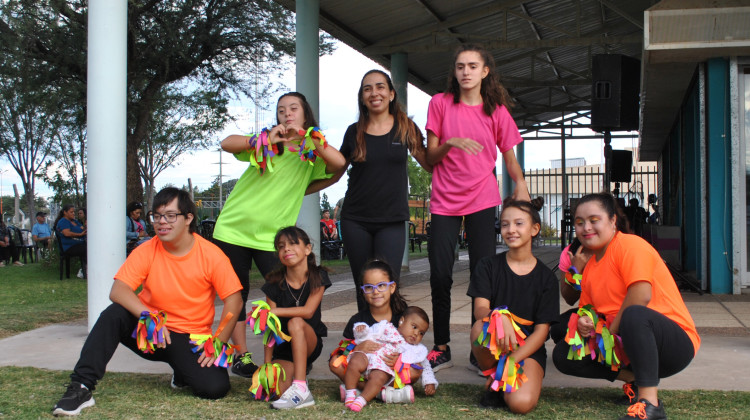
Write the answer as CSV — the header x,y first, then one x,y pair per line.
x,y
383,303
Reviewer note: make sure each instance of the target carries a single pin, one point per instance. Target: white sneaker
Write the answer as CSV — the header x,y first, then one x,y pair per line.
x,y
80,273
391,395
293,397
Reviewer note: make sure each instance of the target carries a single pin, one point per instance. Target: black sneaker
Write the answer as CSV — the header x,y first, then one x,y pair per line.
x,y
177,384
76,398
492,400
644,410
629,396
440,359
474,365
244,366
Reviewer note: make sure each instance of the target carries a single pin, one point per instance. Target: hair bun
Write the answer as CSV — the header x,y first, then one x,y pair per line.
x,y
538,203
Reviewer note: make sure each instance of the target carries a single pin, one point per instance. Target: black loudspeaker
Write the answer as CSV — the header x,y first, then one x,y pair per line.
x,y
621,164
614,92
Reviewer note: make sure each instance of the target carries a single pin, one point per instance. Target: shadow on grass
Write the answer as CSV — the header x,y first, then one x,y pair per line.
x,y
28,393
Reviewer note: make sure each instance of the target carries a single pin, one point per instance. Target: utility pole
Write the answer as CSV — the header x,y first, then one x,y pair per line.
x,y
221,177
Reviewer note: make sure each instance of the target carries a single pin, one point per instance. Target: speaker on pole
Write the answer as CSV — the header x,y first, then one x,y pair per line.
x,y
622,164
615,92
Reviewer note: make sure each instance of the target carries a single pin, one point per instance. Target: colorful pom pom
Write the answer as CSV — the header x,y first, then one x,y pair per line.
x,y
307,150
262,320
262,151
266,382
402,372
150,330
602,346
573,278
492,330
340,354
508,375
211,346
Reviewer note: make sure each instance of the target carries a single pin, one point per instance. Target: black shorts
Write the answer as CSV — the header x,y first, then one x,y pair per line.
x,y
283,351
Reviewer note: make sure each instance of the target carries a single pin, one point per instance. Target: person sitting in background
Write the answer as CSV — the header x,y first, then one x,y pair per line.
x,y
135,233
8,249
40,232
328,227
82,217
73,234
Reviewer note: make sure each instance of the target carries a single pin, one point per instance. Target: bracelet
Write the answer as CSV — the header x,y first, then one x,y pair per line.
x,y
149,332
602,346
574,280
307,150
508,376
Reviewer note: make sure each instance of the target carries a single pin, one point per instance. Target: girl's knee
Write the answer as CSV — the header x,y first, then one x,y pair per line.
x,y
296,324
522,403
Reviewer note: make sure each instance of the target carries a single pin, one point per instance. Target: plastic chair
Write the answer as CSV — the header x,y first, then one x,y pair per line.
x,y
64,257
24,244
207,229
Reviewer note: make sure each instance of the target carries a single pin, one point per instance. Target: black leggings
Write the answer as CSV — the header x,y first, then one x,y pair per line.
x,y
366,240
656,346
480,233
242,260
115,325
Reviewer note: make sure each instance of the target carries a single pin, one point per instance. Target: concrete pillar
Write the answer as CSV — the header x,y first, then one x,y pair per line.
x,y
106,127
400,78
307,83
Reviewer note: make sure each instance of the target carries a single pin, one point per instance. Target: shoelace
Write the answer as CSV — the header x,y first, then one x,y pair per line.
x,y
637,410
433,355
246,358
629,391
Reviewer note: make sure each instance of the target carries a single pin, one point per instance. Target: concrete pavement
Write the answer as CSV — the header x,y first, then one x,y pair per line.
x,y
722,363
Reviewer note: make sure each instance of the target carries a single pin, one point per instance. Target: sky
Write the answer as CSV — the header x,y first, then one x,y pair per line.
x,y
340,76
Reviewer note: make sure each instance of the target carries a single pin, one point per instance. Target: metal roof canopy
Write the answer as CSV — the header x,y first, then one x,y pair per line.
x,y
542,48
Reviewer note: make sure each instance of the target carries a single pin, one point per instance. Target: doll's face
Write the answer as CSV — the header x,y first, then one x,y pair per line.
x,y
412,328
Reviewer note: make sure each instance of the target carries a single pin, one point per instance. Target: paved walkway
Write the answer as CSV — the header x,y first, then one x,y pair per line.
x,y
722,321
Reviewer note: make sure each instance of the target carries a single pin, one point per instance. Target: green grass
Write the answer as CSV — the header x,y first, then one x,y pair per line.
x,y
33,296
28,393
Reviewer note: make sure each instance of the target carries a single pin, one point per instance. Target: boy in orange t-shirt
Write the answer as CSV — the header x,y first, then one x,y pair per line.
x,y
181,274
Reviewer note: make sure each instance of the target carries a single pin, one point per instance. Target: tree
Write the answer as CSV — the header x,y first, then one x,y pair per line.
x,y
183,121
25,128
420,181
212,44
325,205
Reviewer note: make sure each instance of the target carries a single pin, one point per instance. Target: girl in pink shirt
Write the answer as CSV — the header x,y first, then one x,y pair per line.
x,y
466,126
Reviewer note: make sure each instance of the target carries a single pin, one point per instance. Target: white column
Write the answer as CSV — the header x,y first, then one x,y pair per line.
x,y
400,76
307,83
106,127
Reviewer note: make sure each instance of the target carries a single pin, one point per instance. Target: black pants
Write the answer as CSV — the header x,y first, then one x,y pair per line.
x,y
78,250
656,346
242,260
480,233
115,325
10,252
366,240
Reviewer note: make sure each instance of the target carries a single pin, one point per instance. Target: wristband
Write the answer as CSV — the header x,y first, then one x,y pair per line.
x,y
307,150
492,330
574,279
508,376
402,372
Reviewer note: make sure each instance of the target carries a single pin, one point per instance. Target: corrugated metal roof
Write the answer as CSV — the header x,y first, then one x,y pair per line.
x,y
542,48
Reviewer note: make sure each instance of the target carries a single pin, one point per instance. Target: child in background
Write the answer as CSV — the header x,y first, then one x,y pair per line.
x,y
528,291
406,341
294,292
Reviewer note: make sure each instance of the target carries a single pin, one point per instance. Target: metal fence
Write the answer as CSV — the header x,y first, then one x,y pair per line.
x,y
548,183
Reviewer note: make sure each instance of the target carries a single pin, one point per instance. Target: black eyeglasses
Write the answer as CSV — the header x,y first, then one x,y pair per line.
x,y
169,217
369,288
